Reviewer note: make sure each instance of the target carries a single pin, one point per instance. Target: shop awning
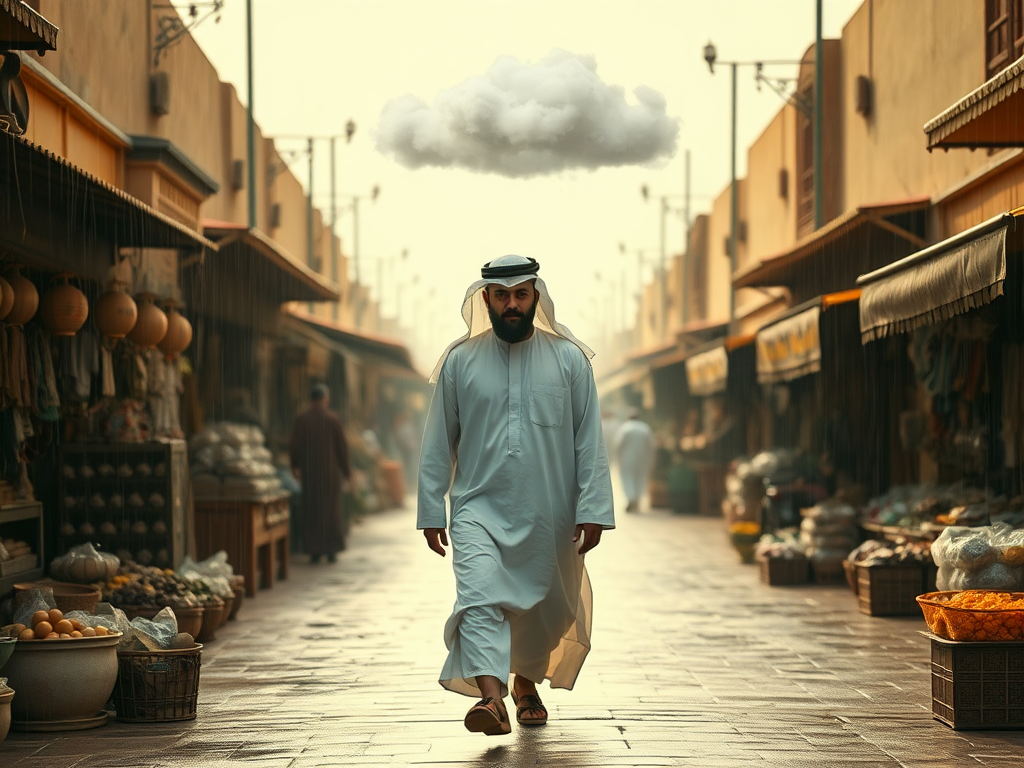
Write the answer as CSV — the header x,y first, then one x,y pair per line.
x,y
292,280
48,200
23,29
624,376
895,218
952,277
989,116
790,347
389,355
707,366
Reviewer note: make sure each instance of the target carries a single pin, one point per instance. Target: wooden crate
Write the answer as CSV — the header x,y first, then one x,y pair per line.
x,y
784,572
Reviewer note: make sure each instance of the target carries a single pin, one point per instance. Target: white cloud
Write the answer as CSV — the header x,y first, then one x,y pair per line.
x,y
520,119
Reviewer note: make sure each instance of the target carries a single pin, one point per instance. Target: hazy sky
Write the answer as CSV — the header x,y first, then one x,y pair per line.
x,y
320,62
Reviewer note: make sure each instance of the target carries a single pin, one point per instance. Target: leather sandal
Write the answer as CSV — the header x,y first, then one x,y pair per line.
x,y
488,716
530,703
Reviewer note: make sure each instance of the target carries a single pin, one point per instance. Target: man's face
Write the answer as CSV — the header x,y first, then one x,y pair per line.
x,y
512,310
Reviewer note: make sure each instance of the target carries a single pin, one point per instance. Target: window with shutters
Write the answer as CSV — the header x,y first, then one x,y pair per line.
x,y
1004,34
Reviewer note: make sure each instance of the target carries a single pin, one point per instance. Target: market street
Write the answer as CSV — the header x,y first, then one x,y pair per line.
x,y
695,662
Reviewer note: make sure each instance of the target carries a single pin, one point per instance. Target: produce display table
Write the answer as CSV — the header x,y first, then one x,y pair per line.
x,y
254,533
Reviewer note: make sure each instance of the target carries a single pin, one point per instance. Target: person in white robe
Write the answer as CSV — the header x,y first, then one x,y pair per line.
x,y
513,438
634,452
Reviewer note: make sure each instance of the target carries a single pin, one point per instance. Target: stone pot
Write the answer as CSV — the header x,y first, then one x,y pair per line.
x,y
5,713
238,587
62,684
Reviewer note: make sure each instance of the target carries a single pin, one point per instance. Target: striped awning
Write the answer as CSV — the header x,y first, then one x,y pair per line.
x,y
23,29
955,276
992,115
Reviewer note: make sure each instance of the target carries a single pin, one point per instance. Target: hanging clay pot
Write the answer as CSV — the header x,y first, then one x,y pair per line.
x,y
151,326
6,298
115,312
64,309
179,334
26,299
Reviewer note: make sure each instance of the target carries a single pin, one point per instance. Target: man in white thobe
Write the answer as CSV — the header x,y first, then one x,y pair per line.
x,y
513,436
634,451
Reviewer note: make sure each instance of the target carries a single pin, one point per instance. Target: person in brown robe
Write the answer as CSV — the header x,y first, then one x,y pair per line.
x,y
319,458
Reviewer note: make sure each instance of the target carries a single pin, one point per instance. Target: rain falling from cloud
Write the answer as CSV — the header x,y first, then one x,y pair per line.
x,y
529,119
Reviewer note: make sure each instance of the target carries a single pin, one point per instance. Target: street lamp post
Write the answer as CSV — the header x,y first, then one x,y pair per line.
x,y
711,57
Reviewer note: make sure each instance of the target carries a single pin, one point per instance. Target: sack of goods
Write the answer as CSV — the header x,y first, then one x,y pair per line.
x,y
986,557
231,460
828,532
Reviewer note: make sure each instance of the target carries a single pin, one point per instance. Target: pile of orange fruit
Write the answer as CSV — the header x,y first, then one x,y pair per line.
x,y
976,615
51,625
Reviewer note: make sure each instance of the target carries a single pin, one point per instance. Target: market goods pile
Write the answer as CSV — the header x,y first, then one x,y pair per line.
x,y
975,615
900,552
828,532
51,625
138,585
987,557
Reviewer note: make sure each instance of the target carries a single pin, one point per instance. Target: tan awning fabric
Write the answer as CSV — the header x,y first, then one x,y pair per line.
x,y
989,116
23,29
627,375
294,281
952,277
368,348
778,269
790,348
707,373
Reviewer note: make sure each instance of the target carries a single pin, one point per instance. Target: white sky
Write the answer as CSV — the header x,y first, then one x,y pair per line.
x,y
320,62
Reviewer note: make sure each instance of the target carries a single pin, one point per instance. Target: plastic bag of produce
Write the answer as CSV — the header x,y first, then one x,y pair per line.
x,y
84,565
864,551
31,601
158,633
967,549
215,571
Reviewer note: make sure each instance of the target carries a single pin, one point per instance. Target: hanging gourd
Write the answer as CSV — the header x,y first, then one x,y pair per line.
x,y
151,327
26,298
64,309
115,312
179,333
6,298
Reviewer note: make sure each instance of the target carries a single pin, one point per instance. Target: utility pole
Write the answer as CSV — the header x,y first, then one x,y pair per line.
x,y
250,133
684,310
334,219
733,212
819,91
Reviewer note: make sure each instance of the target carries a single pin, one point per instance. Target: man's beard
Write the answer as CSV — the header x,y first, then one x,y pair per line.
x,y
512,333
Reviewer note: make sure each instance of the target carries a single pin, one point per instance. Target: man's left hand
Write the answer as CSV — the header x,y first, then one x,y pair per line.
x,y
591,534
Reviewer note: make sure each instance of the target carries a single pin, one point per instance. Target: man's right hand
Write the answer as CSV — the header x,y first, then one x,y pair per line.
x,y
437,539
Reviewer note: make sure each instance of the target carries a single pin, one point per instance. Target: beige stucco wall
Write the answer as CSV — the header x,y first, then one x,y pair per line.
x,y
922,57
771,225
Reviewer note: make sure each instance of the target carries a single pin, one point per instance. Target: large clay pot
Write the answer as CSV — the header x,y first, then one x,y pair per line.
x,y
64,309
213,613
178,336
5,713
115,312
151,327
62,684
6,298
26,299
229,603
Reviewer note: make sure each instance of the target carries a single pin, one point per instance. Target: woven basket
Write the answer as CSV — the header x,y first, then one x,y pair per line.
x,y
157,686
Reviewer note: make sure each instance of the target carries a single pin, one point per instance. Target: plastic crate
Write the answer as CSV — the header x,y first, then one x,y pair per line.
x,y
889,590
978,686
783,571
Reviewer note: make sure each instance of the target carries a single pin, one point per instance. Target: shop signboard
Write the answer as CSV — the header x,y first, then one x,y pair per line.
x,y
708,372
790,348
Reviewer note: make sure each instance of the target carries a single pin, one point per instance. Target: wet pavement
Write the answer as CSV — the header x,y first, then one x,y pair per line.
x,y
695,663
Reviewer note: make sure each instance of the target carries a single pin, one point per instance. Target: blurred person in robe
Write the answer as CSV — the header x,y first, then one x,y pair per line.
x,y
513,437
320,462
634,451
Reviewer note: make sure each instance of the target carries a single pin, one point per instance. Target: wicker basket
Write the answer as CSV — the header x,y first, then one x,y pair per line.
x,y
971,624
157,686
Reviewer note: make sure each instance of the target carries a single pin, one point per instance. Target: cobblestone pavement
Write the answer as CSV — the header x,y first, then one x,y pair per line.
x,y
695,663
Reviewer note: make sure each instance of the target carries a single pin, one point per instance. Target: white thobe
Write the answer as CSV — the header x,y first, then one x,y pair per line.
x,y
513,435
634,452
